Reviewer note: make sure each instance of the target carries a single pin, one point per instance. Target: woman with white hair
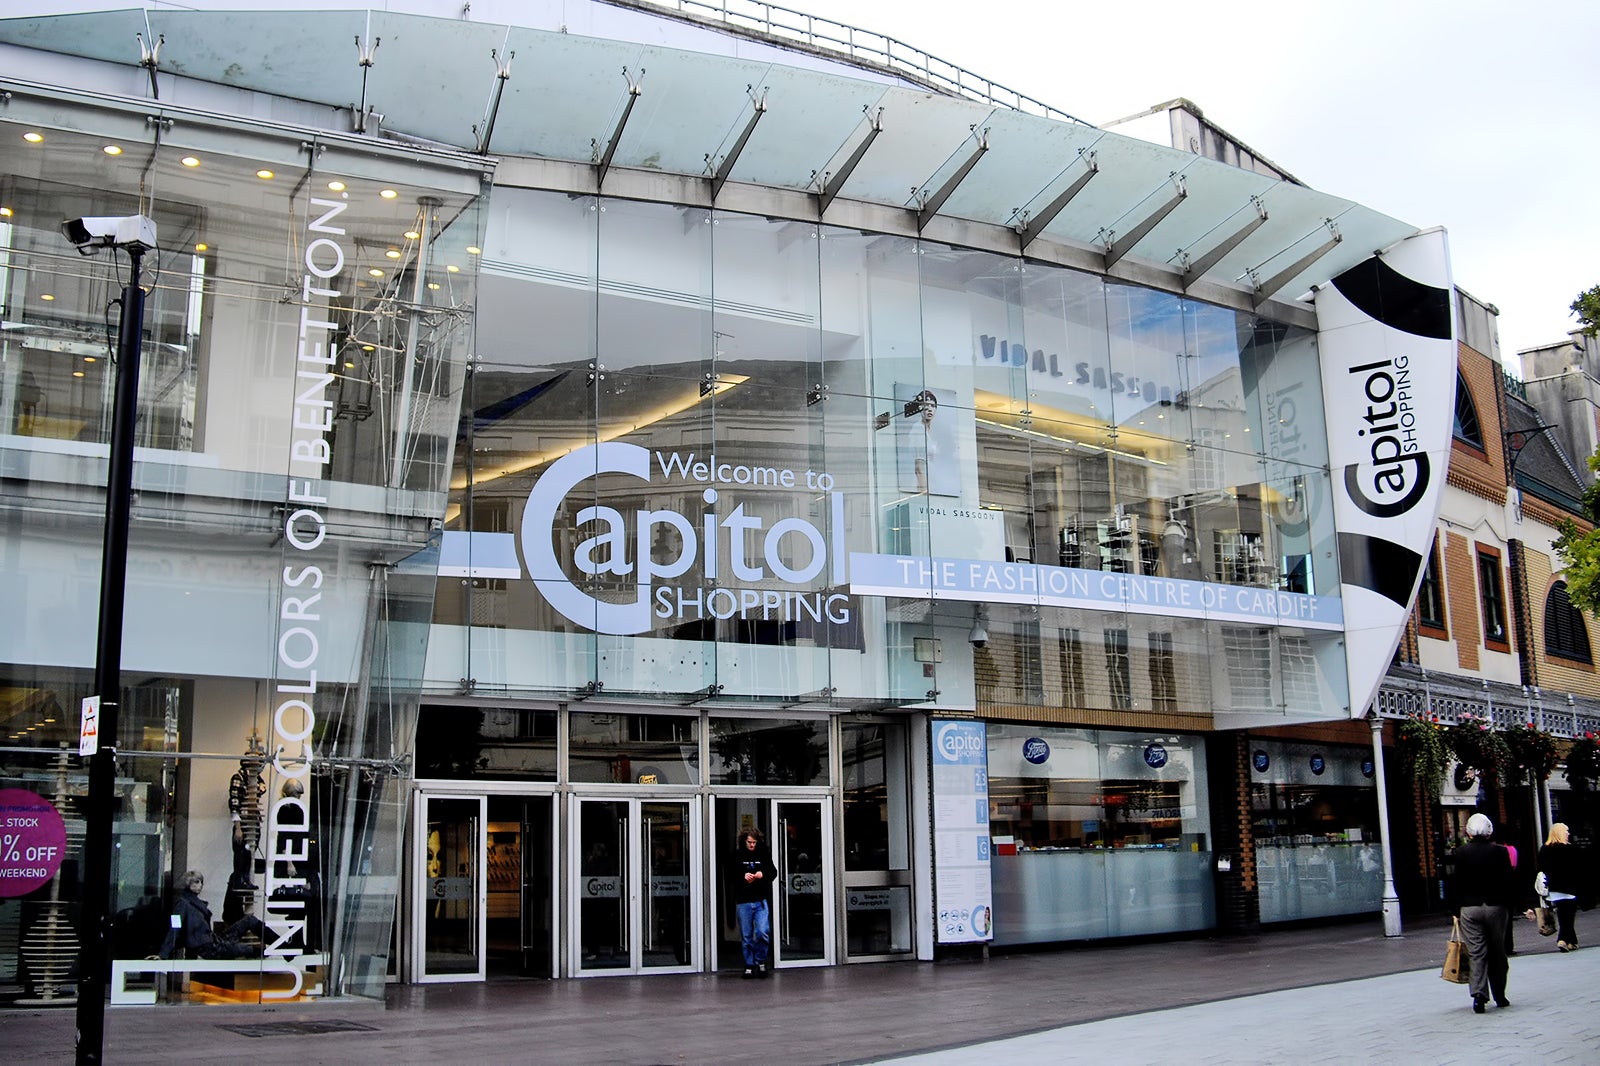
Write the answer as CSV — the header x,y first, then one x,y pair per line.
x,y
1558,861
1483,890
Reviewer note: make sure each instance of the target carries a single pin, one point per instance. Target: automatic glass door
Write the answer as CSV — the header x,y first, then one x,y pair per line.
x,y
448,916
634,886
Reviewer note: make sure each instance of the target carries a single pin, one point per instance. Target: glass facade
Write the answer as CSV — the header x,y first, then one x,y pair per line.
x,y
501,552
750,420
305,336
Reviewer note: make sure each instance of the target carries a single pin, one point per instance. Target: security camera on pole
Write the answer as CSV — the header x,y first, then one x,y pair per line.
x,y
136,235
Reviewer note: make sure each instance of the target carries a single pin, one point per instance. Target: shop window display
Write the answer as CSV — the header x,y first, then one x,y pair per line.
x,y
1315,814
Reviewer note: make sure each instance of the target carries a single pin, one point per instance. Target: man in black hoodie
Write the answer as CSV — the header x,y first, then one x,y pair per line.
x,y
750,874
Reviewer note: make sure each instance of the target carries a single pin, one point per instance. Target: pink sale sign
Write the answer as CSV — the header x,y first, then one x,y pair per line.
x,y
33,841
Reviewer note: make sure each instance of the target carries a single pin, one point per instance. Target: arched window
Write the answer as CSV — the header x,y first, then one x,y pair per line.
x,y
1466,427
1564,632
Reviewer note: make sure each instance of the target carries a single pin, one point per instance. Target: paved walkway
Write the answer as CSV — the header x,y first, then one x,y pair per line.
x,y
1414,1017
1336,993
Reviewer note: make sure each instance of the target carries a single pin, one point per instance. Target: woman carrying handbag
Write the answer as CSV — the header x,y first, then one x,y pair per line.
x,y
1558,863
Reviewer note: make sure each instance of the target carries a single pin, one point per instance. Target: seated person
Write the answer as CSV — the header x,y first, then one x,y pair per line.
x,y
192,931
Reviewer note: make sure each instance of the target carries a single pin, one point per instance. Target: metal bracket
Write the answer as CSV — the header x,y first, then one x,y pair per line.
x,y
365,58
1117,247
720,178
1030,226
929,206
1194,269
150,60
832,185
1265,290
502,74
603,161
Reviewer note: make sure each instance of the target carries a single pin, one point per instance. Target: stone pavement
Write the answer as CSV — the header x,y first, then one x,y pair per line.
x,y
1415,1017
1340,992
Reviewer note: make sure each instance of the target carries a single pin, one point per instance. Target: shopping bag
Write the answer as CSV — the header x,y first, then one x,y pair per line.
x,y
1547,921
1456,968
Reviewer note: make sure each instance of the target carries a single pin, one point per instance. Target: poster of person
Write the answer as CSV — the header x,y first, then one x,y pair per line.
x,y
925,440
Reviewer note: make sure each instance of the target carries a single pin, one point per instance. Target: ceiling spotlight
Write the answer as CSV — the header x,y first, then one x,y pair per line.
x,y
452,268
337,186
433,285
189,161
202,246
265,174
112,149
33,138
473,249
413,235
387,194
46,297
5,212
393,253
375,272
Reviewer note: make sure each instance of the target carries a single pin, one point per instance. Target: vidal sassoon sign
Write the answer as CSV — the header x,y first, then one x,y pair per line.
x,y
1387,341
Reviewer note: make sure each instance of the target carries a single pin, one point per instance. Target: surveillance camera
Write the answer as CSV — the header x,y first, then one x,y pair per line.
x,y
978,637
93,232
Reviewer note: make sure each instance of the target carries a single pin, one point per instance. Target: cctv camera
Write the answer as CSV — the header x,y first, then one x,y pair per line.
x,y
979,636
93,232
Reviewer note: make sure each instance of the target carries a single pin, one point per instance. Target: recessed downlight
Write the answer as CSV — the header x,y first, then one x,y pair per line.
x,y
33,137
265,175
202,246
387,194
453,269
112,149
189,161
46,297
337,186
413,235
375,272
473,249
393,253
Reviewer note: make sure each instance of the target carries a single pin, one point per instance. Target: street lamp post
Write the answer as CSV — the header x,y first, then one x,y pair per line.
x,y
1391,898
95,921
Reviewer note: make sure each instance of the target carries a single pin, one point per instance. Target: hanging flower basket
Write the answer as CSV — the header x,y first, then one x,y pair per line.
x,y
1583,762
1421,744
1480,747
1532,750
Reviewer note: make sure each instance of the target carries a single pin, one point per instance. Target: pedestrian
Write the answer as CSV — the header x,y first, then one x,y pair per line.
x,y
1482,891
191,929
1515,907
750,874
1558,861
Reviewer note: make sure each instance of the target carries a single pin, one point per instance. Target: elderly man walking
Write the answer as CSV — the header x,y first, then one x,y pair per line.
x,y
1482,891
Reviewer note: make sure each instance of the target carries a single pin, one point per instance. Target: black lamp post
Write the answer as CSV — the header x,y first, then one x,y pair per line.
x,y
135,236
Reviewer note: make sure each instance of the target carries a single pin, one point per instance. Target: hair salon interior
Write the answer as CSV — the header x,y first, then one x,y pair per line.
x,y
562,444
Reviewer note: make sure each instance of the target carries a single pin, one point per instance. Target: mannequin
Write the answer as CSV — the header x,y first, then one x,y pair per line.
x,y
245,791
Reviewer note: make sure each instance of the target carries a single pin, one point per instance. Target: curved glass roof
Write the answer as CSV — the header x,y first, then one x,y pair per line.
x,y
434,79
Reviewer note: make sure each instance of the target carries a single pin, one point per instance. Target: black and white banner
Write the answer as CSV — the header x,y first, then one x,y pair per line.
x,y
1387,340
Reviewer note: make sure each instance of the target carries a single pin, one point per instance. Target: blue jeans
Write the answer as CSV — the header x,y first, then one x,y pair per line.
x,y
755,930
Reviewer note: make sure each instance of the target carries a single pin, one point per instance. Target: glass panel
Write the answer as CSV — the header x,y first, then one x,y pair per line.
x,y
800,858
768,751
451,916
878,920
666,862
486,742
646,749
876,823
602,888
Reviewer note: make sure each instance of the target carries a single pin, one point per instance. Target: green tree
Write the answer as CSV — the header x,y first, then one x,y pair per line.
x,y
1587,308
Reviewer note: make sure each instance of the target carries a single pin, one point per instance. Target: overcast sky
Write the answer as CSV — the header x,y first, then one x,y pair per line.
x,y
1477,116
